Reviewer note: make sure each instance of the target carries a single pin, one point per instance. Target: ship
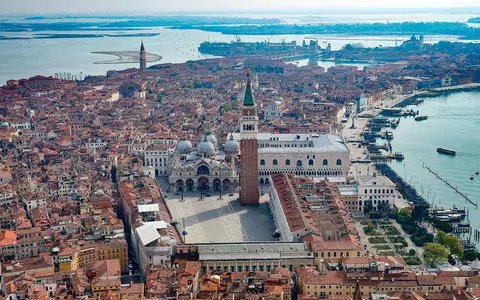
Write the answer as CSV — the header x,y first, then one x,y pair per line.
x,y
446,151
394,123
421,118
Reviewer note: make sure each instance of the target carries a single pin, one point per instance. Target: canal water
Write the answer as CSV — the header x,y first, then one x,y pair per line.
x,y
453,123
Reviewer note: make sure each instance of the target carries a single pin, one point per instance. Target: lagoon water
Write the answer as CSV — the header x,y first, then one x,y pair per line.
x,y
26,58
453,123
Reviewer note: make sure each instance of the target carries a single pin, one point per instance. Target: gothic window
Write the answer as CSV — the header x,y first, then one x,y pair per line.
x,y
325,162
339,162
262,162
287,162
299,163
275,162
310,162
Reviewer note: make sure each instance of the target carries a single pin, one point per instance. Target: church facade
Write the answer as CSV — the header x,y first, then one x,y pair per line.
x,y
204,169
249,157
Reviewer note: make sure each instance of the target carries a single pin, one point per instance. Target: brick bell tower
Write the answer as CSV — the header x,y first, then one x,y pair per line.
x,y
249,192
143,58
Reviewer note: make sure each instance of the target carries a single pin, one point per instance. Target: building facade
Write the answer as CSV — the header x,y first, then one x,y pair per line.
x,y
377,189
204,169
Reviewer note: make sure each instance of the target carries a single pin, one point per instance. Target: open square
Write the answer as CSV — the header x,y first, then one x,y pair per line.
x,y
208,219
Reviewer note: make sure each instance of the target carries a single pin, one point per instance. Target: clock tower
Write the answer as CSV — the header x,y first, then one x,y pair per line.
x,y
249,184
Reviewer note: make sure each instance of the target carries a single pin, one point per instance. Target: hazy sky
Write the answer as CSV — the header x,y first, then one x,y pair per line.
x,y
244,6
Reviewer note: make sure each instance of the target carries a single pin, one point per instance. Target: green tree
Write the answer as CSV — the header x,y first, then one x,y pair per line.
x,y
403,216
368,206
227,106
451,243
441,237
383,209
470,255
454,245
435,253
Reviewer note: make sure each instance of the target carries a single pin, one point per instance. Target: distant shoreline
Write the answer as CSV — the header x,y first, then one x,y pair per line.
x,y
76,36
435,92
462,30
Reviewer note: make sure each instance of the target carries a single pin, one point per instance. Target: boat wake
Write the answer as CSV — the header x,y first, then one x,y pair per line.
x,y
126,57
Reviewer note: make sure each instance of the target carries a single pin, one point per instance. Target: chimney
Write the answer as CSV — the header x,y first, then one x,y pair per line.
x,y
321,267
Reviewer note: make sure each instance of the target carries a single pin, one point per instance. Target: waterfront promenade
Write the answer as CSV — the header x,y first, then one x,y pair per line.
x,y
352,136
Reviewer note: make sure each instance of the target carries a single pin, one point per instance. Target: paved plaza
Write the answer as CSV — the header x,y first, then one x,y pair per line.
x,y
214,220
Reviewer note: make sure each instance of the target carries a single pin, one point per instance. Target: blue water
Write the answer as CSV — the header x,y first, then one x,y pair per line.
x,y
26,58
453,123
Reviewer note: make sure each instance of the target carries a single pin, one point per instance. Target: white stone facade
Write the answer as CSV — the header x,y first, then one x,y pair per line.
x,y
311,155
158,158
378,189
272,110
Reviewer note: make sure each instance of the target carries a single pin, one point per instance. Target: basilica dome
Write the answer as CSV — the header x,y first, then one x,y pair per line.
x,y
205,147
212,139
184,146
231,146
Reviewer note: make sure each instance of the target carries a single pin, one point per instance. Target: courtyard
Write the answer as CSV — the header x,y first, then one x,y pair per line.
x,y
208,218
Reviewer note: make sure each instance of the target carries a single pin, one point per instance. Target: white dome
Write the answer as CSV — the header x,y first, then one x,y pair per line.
x,y
212,139
184,147
232,146
205,148
5,125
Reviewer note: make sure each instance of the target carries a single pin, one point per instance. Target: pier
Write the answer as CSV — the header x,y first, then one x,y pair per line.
x,y
453,187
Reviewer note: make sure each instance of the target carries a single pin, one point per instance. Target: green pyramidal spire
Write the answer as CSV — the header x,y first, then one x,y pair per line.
x,y
248,100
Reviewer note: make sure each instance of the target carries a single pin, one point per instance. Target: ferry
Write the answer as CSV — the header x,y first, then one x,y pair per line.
x,y
446,151
421,118
448,211
449,218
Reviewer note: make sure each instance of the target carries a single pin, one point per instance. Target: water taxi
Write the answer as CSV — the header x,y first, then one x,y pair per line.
x,y
421,118
446,151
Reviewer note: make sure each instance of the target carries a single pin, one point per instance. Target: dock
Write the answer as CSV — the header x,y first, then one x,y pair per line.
x,y
453,187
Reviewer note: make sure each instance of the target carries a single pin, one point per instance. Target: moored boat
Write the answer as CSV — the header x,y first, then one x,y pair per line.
x,y
446,151
421,118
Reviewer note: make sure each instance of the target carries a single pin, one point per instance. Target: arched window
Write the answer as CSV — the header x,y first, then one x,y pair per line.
x,y
262,162
299,163
339,162
203,170
287,162
275,162
310,162
325,162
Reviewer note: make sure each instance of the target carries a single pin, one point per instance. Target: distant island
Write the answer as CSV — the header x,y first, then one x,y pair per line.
x,y
111,23
76,36
405,28
474,20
